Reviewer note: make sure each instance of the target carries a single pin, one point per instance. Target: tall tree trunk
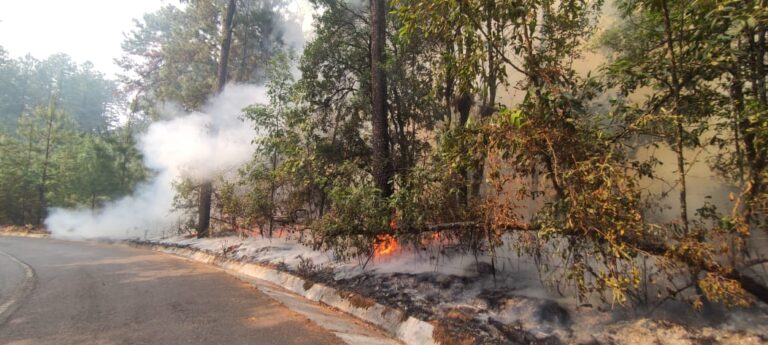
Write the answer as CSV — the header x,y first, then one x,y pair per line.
x,y
46,161
737,100
489,106
680,131
25,213
382,164
404,161
463,107
123,182
272,191
754,151
464,103
491,84
204,204
450,82
242,74
759,163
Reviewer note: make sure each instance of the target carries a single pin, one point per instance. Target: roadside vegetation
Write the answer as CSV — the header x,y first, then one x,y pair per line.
x,y
484,123
61,144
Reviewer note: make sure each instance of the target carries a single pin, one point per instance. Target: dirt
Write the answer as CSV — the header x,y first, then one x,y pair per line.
x,y
357,300
447,335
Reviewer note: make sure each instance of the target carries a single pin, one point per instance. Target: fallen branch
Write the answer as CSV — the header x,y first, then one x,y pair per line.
x,y
747,282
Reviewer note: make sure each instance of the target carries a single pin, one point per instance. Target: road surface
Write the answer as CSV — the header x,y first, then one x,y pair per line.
x,y
83,293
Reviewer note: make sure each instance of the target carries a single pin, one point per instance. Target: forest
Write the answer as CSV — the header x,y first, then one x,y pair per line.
x,y
619,143
60,140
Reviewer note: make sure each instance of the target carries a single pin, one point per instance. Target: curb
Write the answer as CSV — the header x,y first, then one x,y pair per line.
x,y
392,321
24,234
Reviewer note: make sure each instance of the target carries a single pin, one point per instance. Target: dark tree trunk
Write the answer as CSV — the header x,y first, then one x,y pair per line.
x,y
242,73
25,212
489,106
450,84
272,191
759,162
46,161
204,205
463,107
680,131
404,161
737,100
125,144
382,164
226,43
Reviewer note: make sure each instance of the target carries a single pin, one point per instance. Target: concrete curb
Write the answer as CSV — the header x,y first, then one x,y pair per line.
x,y
24,234
392,321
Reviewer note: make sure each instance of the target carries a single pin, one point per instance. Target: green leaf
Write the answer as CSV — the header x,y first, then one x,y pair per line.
x,y
736,28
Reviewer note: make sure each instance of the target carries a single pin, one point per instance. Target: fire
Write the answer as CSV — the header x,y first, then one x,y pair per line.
x,y
433,238
385,245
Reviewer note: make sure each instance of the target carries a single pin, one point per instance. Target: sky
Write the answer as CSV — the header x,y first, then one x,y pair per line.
x,y
87,30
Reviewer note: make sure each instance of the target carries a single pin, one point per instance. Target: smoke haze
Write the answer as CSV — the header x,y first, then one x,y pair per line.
x,y
197,145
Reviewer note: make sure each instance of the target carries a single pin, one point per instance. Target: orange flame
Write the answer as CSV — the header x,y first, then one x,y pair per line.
x,y
385,245
434,237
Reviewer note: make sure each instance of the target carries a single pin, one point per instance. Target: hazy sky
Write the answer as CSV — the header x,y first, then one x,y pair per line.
x,y
84,29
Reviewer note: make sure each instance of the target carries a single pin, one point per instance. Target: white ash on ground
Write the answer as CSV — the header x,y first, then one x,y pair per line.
x,y
472,304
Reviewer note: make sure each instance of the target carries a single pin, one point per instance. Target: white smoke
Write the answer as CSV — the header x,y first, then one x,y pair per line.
x,y
198,145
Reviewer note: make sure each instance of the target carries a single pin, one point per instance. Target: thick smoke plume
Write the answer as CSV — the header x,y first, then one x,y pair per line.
x,y
198,145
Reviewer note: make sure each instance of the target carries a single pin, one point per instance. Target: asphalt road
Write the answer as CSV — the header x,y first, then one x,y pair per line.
x,y
60,292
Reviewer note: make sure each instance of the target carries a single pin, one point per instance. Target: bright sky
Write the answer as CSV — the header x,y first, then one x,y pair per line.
x,y
87,30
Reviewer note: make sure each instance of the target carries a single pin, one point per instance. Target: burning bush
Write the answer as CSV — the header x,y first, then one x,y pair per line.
x,y
358,217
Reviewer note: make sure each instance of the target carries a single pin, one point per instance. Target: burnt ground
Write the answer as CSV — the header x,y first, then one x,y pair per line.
x,y
468,312
429,296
